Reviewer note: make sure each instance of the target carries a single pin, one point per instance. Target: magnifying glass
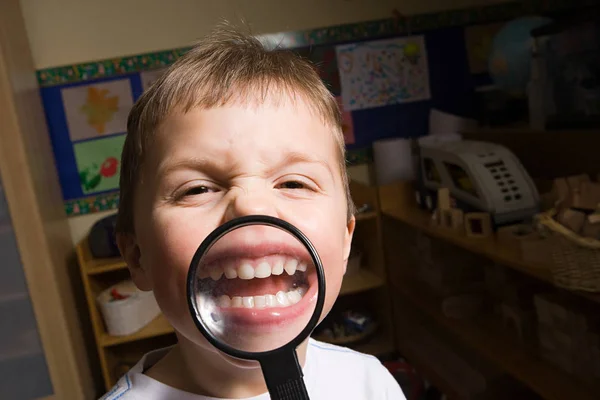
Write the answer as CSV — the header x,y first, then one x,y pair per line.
x,y
256,289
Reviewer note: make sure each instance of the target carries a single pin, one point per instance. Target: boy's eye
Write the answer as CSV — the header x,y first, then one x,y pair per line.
x,y
196,190
292,185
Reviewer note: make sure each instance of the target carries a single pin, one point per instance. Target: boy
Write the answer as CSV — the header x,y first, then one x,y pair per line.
x,y
233,129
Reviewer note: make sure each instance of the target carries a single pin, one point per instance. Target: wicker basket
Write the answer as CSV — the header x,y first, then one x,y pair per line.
x,y
576,259
129,315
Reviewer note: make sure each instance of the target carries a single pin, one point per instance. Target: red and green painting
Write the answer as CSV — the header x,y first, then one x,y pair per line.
x,y
98,163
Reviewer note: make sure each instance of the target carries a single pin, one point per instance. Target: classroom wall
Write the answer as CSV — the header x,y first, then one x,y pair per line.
x,y
63,32
73,31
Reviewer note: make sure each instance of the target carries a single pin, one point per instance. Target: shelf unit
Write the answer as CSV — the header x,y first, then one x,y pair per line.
x,y
396,205
483,335
368,284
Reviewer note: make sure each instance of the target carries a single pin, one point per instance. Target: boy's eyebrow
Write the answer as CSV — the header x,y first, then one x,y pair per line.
x,y
297,158
193,163
210,166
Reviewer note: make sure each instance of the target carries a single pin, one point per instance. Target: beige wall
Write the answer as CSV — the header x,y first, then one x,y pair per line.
x,y
63,32
73,31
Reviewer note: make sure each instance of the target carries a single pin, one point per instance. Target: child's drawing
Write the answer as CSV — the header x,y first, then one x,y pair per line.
x,y
98,163
383,72
98,109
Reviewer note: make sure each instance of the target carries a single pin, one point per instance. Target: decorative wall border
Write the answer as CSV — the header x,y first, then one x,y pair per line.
x,y
88,205
397,26
400,25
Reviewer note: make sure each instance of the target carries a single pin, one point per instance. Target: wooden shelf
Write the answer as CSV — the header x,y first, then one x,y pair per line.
x,y
159,326
360,281
485,337
101,266
420,219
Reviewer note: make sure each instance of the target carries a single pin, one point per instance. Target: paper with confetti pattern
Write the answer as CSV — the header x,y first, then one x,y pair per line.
x,y
383,72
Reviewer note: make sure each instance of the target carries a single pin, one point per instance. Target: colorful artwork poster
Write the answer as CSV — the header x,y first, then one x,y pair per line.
x,y
149,77
383,72
98,109
479,39
347,124
98,163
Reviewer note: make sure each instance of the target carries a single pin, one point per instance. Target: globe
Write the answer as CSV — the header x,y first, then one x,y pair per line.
x,y
510,58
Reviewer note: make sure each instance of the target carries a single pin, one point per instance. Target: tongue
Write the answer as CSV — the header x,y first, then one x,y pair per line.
x,y
253,287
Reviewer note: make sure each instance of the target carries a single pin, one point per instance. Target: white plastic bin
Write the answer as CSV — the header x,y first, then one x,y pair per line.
x,y
127,316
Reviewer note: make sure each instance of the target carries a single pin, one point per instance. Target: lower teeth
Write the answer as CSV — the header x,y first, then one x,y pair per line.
x,y
281,299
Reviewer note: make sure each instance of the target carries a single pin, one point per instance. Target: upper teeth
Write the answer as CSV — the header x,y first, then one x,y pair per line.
x,y
249,269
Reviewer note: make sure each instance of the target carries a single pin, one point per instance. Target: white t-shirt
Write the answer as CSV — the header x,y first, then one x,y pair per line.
x,y
330,372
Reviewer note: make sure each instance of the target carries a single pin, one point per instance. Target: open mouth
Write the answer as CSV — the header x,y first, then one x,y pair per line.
x,y
266,282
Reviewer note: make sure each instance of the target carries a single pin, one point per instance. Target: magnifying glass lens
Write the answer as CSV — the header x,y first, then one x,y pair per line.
x,y
255,288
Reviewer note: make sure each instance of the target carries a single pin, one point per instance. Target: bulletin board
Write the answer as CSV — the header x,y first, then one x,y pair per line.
x,y
386,75
88,123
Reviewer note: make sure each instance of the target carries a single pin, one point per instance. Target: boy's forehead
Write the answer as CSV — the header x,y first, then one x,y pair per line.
x,y
291,131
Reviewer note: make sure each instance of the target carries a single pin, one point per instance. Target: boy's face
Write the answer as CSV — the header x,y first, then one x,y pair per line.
x,y
206,167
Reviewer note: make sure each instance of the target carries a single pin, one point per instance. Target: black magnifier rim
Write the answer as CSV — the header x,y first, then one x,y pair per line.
x,y
207,244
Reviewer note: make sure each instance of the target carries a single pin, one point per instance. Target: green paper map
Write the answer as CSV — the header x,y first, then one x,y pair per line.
x,y
98,163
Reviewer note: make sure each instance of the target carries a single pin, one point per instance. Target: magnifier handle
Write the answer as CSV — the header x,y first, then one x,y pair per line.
x,y
283,376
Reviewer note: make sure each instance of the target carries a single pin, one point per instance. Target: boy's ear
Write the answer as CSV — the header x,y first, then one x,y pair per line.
x,y
130,250
348,240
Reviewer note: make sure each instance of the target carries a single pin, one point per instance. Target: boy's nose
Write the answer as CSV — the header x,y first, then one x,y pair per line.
x,y
245,203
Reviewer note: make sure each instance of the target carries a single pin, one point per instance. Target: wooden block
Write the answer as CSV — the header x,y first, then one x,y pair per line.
x,y
443,200
575,181
588,196
591,230
571,219
560,189
525,243
478,225
594,218
453,218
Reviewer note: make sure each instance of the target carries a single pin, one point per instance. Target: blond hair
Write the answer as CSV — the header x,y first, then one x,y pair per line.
x,y
226,67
